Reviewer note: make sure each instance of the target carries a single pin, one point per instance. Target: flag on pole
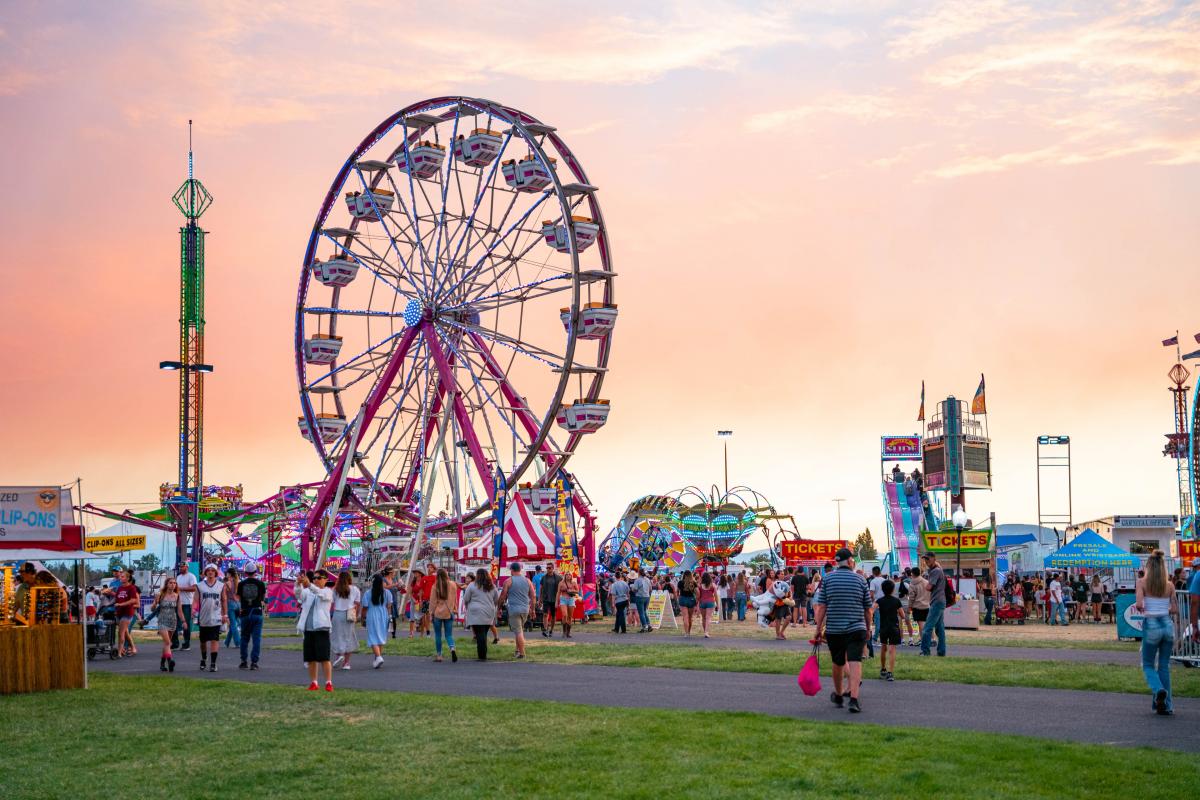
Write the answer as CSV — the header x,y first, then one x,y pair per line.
x,y
921,412
1174,340
1191,355
1197,338
498,513
979,402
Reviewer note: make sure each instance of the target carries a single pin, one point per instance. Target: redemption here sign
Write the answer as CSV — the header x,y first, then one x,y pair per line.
x,y
33,514
947,541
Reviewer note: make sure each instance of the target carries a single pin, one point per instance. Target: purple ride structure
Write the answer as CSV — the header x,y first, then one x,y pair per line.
x,y
454,319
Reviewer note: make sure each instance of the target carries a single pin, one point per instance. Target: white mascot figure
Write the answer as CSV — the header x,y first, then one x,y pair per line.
x,y
764,603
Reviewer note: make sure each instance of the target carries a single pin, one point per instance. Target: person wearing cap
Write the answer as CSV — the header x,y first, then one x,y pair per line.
x,y
26,576
1194,600
187,594
935,618
314,623
843,604
212,613
251,594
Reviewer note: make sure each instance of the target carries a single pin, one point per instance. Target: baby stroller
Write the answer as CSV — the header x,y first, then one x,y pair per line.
x,y
102,637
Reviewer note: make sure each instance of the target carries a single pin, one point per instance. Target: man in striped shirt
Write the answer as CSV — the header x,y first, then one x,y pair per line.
x,y
843,607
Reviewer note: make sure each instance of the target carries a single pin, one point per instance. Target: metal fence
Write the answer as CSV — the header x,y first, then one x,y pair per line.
x,y
1187,651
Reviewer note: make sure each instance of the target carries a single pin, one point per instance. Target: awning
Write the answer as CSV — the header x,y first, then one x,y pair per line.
x,y
1088,549
479,550
526,538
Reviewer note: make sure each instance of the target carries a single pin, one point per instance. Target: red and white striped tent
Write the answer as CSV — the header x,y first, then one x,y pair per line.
x,y
525,537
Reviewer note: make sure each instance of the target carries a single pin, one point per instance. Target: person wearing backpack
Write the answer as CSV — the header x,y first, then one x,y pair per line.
x,y
940,594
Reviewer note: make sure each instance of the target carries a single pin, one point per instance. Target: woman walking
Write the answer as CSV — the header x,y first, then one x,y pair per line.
x,y
479,601
1156,600
708,602
741,591
442,603
378,604
725,596
233,606
166,607
568,590
127,601
347,600
316,600
687,600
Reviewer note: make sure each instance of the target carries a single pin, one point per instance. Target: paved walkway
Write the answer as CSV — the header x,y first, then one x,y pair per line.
x,y
798,642
1062,715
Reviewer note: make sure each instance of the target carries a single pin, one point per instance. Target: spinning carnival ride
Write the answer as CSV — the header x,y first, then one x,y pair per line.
x,y
689,526
454,318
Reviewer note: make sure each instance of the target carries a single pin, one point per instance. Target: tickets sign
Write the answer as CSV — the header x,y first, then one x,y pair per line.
x,y
33,514
812,550
1189,550
104,544
901,448
947,541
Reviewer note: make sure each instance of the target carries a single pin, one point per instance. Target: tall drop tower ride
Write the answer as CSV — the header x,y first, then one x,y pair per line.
x,y
192,200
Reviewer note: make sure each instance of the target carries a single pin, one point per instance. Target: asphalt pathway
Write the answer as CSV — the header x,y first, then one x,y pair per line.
x,y
1062,715
797,640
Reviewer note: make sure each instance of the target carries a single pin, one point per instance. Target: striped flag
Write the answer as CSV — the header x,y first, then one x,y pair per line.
x,y
1191,355
1174,340
979,402
921,412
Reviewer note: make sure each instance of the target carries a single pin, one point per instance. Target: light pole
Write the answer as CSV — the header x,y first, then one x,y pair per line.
x,y
959,518
839,501
725,435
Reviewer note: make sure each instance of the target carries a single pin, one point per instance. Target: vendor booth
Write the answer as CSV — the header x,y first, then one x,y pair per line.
x,y
1089,550
41,644
976,554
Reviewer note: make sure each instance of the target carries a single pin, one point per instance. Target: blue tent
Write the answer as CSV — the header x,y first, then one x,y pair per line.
x,y
1088,549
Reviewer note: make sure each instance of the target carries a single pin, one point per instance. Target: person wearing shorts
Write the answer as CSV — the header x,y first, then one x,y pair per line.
x,y
211,615
889,610
568,590
517,598
844,621
548,594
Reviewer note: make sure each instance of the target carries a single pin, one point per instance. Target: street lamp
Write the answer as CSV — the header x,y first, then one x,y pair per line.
x,y
725,435
839,501
959,519
176,365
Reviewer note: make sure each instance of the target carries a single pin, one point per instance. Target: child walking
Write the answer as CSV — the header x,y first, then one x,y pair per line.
x,y
890,611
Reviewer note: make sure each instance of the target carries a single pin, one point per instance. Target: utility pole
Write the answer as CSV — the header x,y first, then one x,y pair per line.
x,y
725,436
839,501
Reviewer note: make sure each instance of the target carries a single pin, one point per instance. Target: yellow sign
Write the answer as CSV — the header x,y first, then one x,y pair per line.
x,y
947,541
658,608
103,544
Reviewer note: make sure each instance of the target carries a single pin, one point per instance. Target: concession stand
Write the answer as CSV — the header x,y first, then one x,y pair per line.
x,y
41,644
974,550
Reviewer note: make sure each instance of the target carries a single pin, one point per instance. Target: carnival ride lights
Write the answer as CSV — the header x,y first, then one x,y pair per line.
x,y
425,302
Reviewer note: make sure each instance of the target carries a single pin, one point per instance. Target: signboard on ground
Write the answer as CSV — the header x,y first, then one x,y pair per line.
x,y
947,541
901,448
659,608
104,544
33,514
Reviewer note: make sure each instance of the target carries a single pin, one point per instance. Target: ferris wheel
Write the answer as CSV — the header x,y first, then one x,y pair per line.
x,y
456,308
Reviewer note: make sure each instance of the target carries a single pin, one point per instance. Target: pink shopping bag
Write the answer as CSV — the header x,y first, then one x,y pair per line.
x,y
809,678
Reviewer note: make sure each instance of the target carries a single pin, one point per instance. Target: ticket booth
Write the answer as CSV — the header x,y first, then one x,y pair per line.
x,y
976,557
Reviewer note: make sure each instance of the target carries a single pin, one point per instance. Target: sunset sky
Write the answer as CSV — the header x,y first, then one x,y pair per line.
x,y
812,206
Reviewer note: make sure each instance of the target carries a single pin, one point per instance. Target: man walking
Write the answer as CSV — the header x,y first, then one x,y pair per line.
x,y
935,620
800,595
1058,606
548,595
641,600
620,597
843,604
876,585
187,595
517,596
211,615
251,593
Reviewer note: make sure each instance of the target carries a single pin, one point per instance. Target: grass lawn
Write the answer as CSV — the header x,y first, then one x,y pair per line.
x,y
265,741
990,672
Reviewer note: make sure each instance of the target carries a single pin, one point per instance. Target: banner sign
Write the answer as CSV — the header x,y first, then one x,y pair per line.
x,y
33,514
114,543
1189,550
1157,521
812,550
900,448
947,541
